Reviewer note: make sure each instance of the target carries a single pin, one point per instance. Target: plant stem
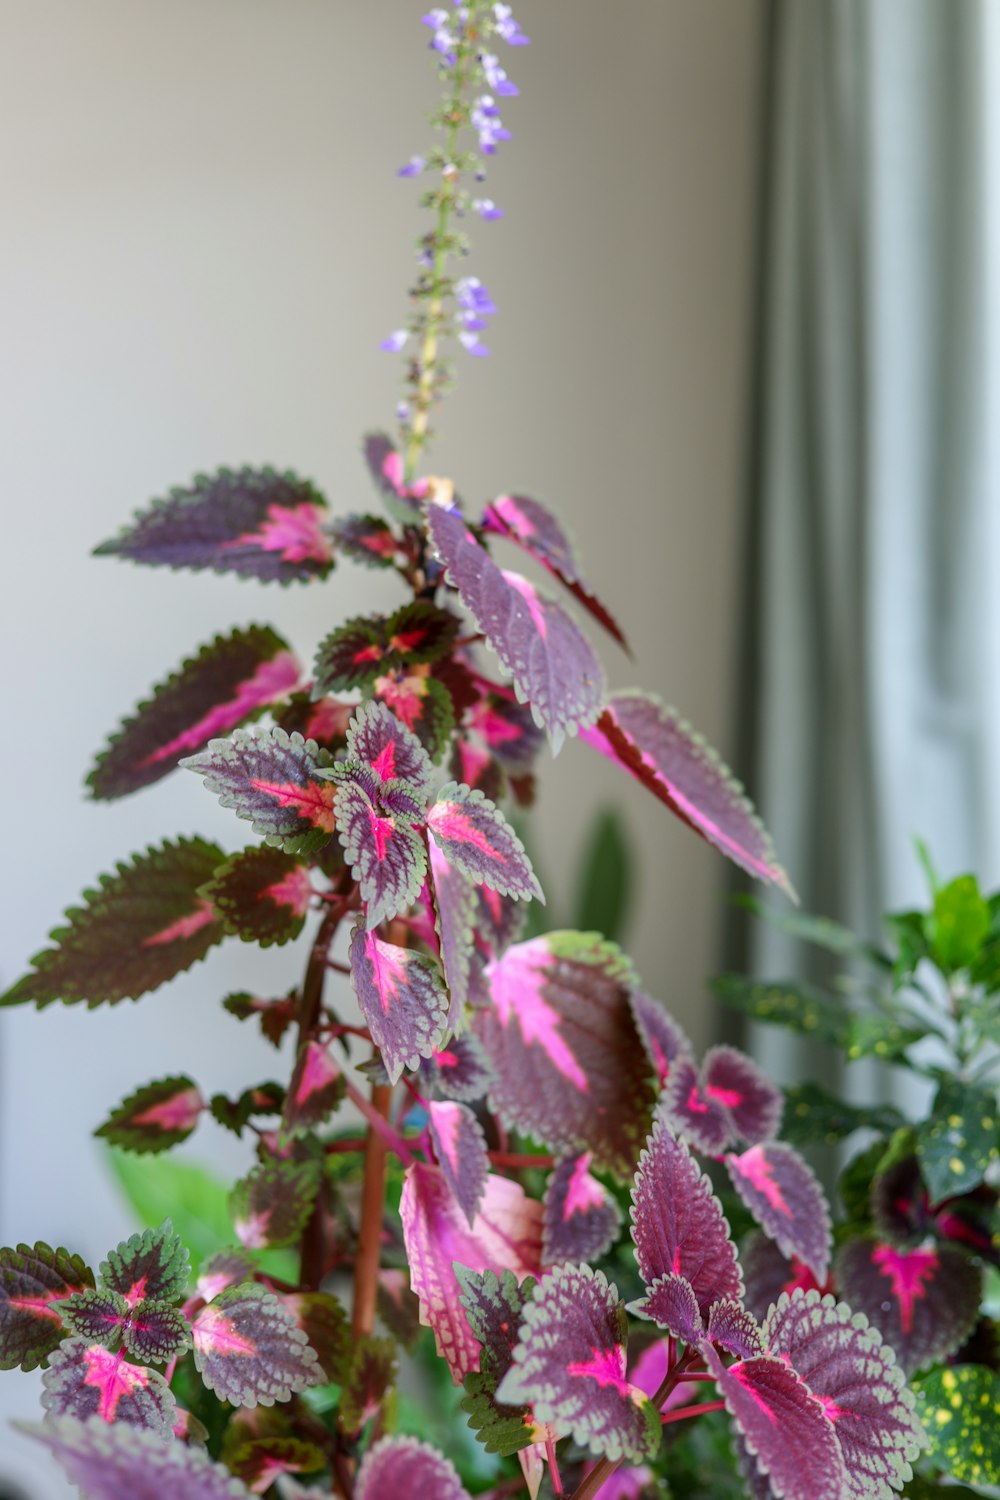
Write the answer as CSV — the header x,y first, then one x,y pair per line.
x,y
312,1253
366,1265
378,1120
550,1454
692,1411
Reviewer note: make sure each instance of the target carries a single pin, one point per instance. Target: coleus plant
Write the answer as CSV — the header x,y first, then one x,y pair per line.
x,y
518,1084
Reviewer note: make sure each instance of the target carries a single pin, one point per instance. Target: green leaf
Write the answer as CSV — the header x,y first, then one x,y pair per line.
x,y
271,1204
880,1036
959,924
139,928
812,1113
908,930
494,1305
960,1408
799,1006
194,1198
604,886
371,1374
820,932
34,1279
261,895
957,1144
153,1264
157,1116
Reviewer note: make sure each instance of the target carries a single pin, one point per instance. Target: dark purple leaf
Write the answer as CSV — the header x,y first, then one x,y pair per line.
x,y
315,1089
121,1463
270,779
157,1116
254,522
33,1282
139,928
371,646
663,752
475,836
700,1120
86,1381
494,1306
924,1302
397,1466
581,1218
455,906
785,1198
327,1328
371,1374
845,1364
151,1264
504,725
460,1148
378,740
672,1304
768,1273
733,1328
784,1427
569,1365
422,701
459,1070
551,662
402,997
560,1035
661,1036
505,1235
248,1348
678,1224
535,529
260,1461
272,1203
386,856
365,539
231,681
261,895
726,1100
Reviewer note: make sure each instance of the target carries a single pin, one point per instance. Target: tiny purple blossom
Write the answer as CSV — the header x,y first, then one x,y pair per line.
x,y
471,343
486,208
395,342
413,167
508,28
496,76
473,297
485,118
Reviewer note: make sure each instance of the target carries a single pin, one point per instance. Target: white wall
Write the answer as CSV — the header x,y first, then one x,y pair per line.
x,y
203,244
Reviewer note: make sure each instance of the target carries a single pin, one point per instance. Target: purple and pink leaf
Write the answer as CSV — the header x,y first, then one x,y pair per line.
x,y
455,906
582,1220
270,780
370,646
34,1280
460,1149
157,1116
396,1466
924,1301
259,1462
569,1366
275,1015
785,1197
728,1099
494,1306
768,1273
270,1206
531,526
504,725
139,928
378,741
421,698
385,465
118,1462
86,1381
230,682
315,1089
459,1070
560,1036
663,752
402,997
552,663
261,895
327,1328
661,1036
323,720
248,1348
151,1331
253,522
365,539
474,836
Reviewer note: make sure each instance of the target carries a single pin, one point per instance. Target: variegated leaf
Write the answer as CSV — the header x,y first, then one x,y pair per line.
x,y
419,697
385,465
474,835
784,1196
454,911
157,1116
248,1348
458,1070
386,856
270,779
581,1218
397,1466
261,895
924,1302
460,1148
380,741
494,1306
86,1381
34,1279
365,539
370,646
402,997
121,1463
661,1036
153,1263
272,1203
315,1089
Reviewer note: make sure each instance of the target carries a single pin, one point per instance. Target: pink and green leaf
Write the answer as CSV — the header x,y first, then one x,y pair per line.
x,y
378,740
365,539
153,1264
678,1224
582,1220
473,835
96,1315
531,526
370,1376
151,1331
569,1366
552,663
494,1306
560,1035
260,1099
118,1462
157,1116
230,682
455,906
259,1462
87,1381
323,720
397,1466
139,928
371,646
315,1089
505,1235
423,702
923,1301
34,1280
271,1204
784,1196
270,780
253,522
261,895
458,1070
386,856
327,1328
460,1149
275,1015
402,998
224,1268
664,753
248,1348
854,1374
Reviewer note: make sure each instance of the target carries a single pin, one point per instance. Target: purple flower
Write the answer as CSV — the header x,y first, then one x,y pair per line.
x,y
395,342
471,343
473,298
495,75
444,39
508,28
402,411
413,167
486,208
485,118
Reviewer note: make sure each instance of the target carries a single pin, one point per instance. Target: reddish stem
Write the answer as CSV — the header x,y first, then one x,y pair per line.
x,y
513,1159
366,1265
376,1117
550,1454
680,1412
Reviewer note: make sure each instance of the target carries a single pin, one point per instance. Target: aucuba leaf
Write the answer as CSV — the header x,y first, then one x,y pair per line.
x,y
458,1070
231,681
365,539
260,1461
460,1148
371,1374
663,752
505,1235
959,1141
396,1466
474,835
115,1462
536,529
157,1116
560,1035
678,1225
139,928
248,1348
801,1006
34,1280
784,1196
569,1364
261,895
315,1089
924,1302
270,780
272,1203
370,646
494,1306
386,856
552,664
661,1036
402,998
812,1113
254,522
455,907
85,1380
845,1363
153,1264
960,1408
581,1218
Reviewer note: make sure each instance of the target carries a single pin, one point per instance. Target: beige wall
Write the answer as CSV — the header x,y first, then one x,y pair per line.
x,y
203,243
